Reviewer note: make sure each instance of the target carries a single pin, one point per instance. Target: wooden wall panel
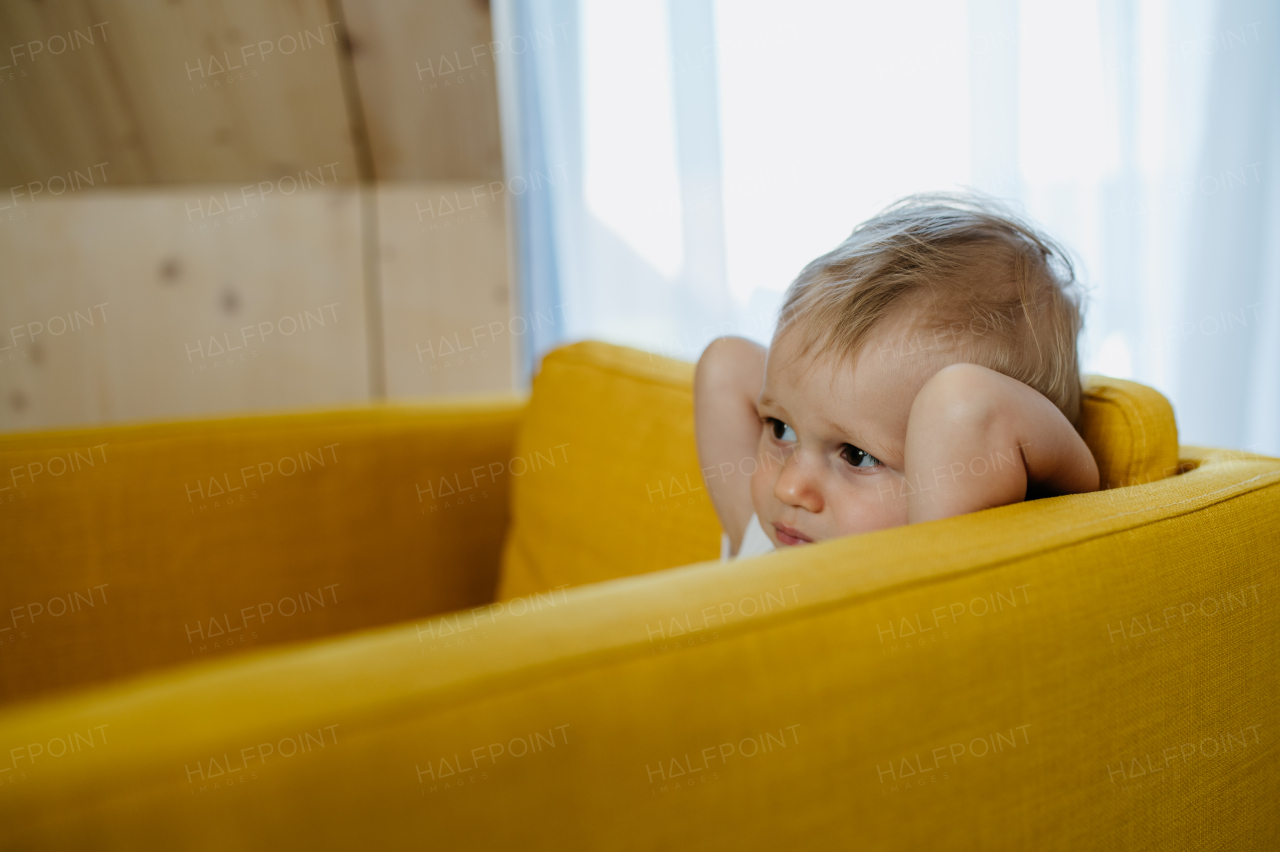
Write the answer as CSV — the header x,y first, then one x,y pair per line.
x,y
176,291
225,237
429,87
448,327
155,98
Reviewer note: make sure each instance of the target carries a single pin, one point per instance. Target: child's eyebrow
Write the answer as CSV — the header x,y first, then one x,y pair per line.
x,y
837,427
862,440
852,436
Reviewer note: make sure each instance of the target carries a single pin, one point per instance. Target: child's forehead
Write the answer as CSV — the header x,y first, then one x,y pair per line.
x,y
890,350
834,377
866,397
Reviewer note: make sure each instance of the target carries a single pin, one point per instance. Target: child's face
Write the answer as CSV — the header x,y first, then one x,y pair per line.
x,y
830,459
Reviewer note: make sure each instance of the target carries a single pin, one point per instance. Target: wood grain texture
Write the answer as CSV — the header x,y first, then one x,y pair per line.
x,y
259,308
210,91
429,87
232,113
448,324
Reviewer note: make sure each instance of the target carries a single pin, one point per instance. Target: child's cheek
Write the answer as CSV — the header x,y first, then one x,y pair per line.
x,y
760,487
884,503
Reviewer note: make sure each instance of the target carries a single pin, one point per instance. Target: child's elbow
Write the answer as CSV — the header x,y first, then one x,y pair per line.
x,y
962,399
710,365
1090,477
728,362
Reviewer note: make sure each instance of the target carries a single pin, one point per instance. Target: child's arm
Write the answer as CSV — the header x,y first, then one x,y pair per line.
x,y
726,385
977,439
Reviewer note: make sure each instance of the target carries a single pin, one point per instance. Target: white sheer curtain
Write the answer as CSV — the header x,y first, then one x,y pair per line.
x,y
710,148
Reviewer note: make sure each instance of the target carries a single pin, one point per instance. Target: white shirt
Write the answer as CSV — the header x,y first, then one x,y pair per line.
x,y
754,542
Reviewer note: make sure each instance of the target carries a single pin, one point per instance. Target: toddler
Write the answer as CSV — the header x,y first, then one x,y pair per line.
x,y
925,368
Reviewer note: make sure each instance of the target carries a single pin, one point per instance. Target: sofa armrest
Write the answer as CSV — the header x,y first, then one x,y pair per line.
x,y
131,547
1026,677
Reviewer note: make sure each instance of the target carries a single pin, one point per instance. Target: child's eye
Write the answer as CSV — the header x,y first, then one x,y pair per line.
x,y
781,431
857,457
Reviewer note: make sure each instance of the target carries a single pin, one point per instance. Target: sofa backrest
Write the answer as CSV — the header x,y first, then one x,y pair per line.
x,y
126,548
616,489
1091,671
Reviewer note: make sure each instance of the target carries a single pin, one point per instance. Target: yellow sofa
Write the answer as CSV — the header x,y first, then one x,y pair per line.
x,y
448,626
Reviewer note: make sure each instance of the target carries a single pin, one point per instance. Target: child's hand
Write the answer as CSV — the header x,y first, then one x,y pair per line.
x,y
726,384
977,439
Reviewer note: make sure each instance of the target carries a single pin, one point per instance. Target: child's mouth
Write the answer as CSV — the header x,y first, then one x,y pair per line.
x,y
788,535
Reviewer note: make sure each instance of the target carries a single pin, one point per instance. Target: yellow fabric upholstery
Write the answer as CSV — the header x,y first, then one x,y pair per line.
x,y
628,419
1089,671
132,547
1085,707
1131,431
630,498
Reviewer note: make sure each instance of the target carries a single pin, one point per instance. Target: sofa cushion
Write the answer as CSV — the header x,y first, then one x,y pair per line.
x,y
612,485
1130,430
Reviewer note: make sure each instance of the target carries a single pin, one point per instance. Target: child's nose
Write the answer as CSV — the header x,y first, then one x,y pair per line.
x,y
798,484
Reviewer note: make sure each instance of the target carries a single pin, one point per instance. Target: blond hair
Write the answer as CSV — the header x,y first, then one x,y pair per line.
x,y
1005,294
